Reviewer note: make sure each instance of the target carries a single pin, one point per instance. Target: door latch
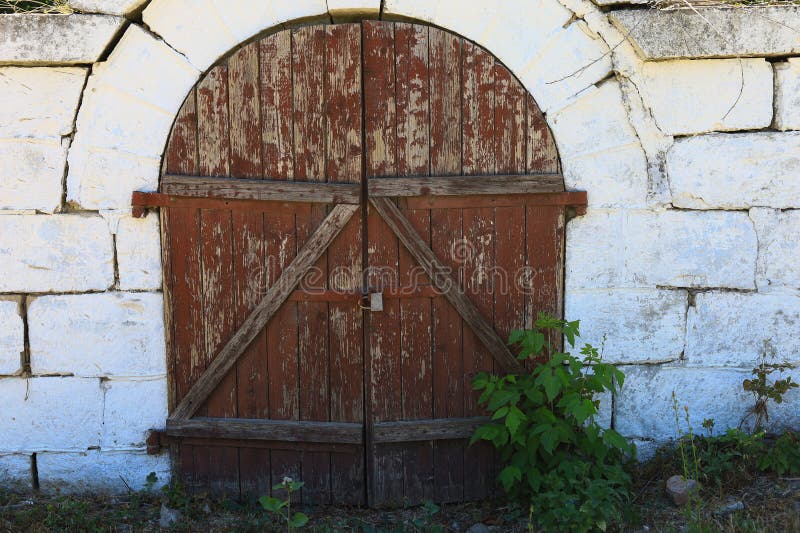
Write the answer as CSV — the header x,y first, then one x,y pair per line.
x,y
373,301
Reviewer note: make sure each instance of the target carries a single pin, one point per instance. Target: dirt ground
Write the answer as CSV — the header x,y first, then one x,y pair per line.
x,y
770,504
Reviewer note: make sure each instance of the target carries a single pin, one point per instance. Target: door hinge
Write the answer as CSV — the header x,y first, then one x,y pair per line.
x,y
157,441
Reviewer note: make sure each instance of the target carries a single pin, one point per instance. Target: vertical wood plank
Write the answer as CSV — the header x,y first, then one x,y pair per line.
x,y
343,165
413,159
478,127
545,252
245,111
213,124
446,159
542,152
187,298
308,70
181,153
382,336
218,302
445,103
275,59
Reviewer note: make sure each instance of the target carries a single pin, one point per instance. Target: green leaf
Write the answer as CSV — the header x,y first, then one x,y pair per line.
x,y
514,419
298,520
295,485
271,504
509,475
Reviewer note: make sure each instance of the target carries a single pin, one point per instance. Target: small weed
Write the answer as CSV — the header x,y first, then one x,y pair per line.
x,y
283,508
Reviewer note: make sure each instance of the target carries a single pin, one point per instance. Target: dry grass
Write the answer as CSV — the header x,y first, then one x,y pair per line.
x,y
36,6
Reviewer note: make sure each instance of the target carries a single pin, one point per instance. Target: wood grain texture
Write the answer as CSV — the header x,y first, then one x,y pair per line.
x,y
268,430
275,296
425,430
442,279
428,126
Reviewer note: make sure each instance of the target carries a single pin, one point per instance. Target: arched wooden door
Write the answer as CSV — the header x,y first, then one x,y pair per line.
x,y
335,277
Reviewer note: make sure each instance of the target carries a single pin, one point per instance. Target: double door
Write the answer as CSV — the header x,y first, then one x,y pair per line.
x,y
349,235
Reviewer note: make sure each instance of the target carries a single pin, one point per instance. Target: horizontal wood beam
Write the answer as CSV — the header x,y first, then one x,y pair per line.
x,y
177,191
465,185
144,200
252,189
566,199
267,430
423,430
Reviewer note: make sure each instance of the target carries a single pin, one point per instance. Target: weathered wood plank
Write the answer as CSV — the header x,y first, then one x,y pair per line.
x,y
427,429
441,278
413,159
245,111
275,59
213,143
573,198
465,185
268,430
275,296
252,189
445,103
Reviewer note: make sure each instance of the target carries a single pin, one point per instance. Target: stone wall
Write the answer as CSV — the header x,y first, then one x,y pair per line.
x,y
686,261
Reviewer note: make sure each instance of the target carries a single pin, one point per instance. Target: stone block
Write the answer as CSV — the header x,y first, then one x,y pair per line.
x,y
574,60
595,251
735,171
107,334
39,102
50,413
15,472
787,94
644,407
12,335
110,7
103,472
132,407
778,247
114,120
164,83
690,97
31,174
517,18
215,27
105,179
55,253
731,329
595,122
27,39
711,31
139,253
639,325
690,249
616,177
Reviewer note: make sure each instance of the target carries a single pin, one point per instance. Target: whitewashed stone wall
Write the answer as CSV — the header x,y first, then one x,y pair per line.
x,y
687,260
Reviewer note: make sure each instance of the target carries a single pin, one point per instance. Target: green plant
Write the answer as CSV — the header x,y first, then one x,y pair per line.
x,y
784,458
557,458
35,6
283,508
426,523
764,390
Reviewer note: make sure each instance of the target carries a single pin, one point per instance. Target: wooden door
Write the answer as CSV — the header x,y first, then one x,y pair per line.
x,y
348,236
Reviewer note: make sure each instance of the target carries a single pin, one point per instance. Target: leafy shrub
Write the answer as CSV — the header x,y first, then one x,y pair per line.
x,y
557,458
784,457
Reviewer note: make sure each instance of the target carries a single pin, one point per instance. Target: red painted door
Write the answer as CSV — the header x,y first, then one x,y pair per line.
x,y
359,381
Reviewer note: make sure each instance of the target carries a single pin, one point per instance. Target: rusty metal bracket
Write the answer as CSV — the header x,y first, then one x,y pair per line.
x,y
157,440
